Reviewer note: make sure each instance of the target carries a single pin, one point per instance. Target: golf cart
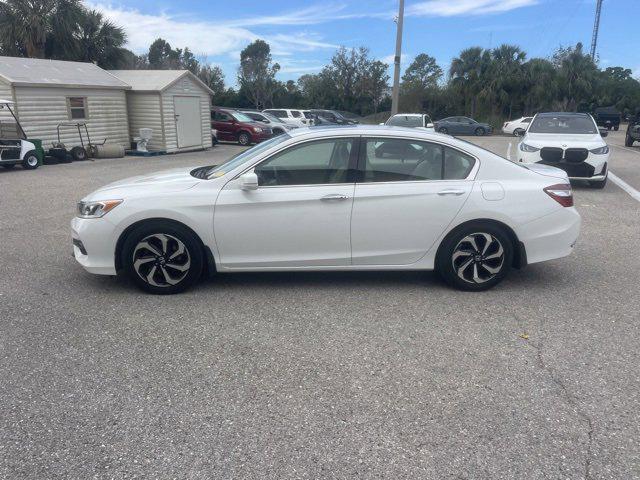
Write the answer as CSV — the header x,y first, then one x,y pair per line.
x,y
14,147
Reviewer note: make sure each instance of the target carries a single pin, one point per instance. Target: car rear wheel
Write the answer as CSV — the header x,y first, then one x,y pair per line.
x,y
479,132
162,257
475,257
244,139
518,132
443,130
30,161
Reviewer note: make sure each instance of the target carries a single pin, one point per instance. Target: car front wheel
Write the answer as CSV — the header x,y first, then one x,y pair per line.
x,y
244,139
479,132
162,257
30,161
475,257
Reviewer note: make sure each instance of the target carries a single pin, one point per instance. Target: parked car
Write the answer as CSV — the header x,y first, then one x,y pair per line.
x,y
411,120
362,198
291,116
570,141
15,149
608,117
277,125
235,126
333,116
633,131
516,127
462,126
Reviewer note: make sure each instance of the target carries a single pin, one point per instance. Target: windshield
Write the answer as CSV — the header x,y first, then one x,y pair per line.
x,y
241,117
405,121
576,124
242,157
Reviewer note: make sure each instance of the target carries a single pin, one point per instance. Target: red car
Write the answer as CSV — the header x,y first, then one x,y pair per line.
x,y
235,126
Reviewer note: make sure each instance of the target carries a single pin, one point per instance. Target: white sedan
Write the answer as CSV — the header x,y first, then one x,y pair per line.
x,y
569,141
516,127
348,198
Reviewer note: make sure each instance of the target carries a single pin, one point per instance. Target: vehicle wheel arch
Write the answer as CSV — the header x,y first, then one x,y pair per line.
x,y
210,264
519,250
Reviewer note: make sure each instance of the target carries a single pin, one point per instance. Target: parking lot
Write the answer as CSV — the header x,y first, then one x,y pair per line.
x,y
316,375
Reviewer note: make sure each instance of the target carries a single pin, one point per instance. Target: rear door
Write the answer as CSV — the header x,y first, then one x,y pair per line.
x,y
407,193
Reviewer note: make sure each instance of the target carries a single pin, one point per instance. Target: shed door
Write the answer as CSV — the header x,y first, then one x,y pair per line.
x,y
188,121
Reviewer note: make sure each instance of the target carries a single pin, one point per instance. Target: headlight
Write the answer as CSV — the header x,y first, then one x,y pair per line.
x,y
96,209
528,148
600,151
257,129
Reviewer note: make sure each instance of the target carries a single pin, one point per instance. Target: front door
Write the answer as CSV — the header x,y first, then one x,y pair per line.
x,y
409,193
300,214
188,121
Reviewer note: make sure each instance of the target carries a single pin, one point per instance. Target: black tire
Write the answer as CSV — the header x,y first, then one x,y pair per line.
x,y
598,184
448,266
78,154
157,282
9,166
628,141
616,128
443,130
30,161
518,132
480,132
244,139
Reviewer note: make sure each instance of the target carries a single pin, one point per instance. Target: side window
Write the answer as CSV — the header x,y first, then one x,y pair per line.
x,y
296,113
279,113
223,117
396,160
527,120
457,165
77,108
312,163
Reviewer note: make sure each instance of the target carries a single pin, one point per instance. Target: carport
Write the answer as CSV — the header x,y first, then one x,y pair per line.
x,y
175,104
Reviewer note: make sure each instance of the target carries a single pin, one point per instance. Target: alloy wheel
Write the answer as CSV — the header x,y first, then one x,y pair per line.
x,y
161,260
478,257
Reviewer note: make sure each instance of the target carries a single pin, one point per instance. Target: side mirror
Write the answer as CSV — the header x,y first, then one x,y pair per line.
x,y
249,181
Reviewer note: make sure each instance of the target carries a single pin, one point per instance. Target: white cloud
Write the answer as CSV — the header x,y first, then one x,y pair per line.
x,y
449,8
206,37
405,59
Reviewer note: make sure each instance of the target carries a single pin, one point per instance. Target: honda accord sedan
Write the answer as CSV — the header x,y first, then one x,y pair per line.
x,y
332,198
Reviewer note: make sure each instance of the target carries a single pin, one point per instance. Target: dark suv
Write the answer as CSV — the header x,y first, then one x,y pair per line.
x,y
633,131
333,116
235,126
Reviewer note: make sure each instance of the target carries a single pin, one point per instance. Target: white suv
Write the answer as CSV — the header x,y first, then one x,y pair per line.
x,y
290,116
570,141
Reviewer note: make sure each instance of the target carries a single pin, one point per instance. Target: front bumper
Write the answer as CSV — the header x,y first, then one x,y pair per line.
x,y
94,245
594,167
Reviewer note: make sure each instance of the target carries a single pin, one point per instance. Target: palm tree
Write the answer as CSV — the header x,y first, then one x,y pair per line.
x,y
506,77
466,72
100,41
39,28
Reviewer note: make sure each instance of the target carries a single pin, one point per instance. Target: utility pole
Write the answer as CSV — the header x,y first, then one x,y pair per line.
x,y
596,27
395,93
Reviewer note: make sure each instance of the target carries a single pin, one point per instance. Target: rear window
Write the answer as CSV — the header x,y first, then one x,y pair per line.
x,y
572,124
405,121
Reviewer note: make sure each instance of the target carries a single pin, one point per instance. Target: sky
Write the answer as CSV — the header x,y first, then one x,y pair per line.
x,y
304,34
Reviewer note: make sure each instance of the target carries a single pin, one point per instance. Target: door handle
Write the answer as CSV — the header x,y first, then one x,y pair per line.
x,y
457,193
334,196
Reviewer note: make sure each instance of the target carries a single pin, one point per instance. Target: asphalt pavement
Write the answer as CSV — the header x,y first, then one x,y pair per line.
x,y
323,375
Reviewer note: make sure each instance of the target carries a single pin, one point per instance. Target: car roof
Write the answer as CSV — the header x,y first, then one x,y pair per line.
x,y
408,114
555,114
320,131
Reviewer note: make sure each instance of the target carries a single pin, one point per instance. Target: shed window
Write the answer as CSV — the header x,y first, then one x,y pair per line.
x,y
77,108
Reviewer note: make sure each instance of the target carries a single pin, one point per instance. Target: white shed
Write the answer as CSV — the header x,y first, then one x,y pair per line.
x,y
174,103
50,92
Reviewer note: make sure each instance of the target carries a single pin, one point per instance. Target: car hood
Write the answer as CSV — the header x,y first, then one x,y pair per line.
x,y
166,181
563,140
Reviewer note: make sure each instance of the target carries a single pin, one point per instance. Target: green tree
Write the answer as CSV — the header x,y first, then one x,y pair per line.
x,y
100,41
213,78
257,72
467,74
423,71
576,76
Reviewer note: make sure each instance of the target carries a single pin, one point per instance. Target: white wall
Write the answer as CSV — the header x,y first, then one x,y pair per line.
x,y
185,86
41,109
144,112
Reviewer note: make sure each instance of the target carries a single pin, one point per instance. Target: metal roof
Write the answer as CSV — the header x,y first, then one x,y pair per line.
x,y
155,80
56,73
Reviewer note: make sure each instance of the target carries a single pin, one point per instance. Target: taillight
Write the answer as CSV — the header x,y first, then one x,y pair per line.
x,y
561,193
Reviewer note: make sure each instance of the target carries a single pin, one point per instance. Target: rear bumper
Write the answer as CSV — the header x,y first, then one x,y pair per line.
x,y
552,236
